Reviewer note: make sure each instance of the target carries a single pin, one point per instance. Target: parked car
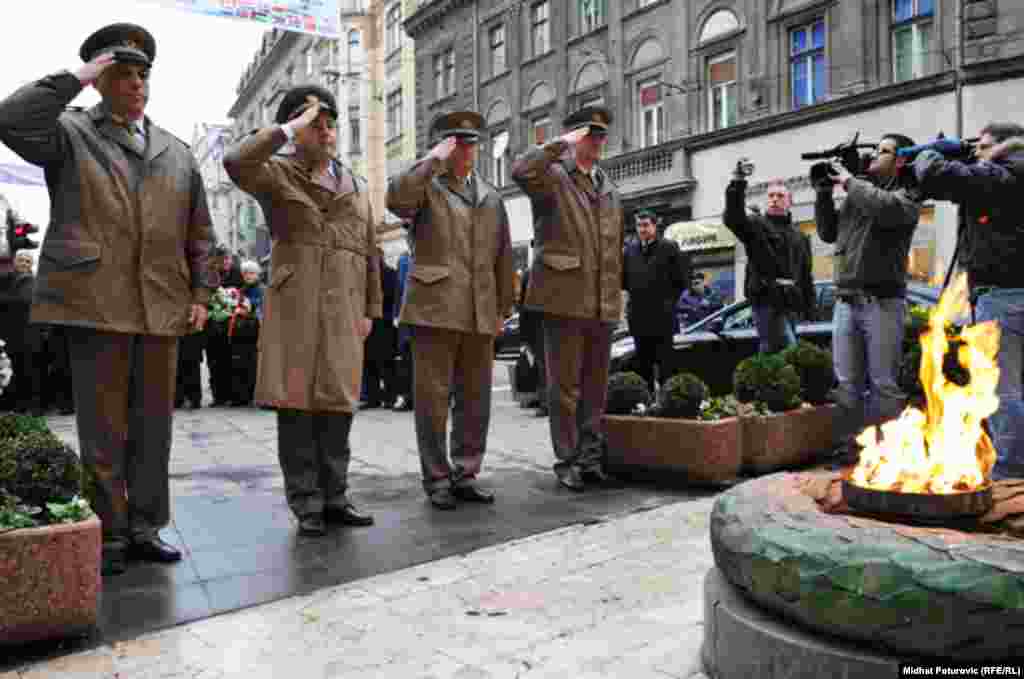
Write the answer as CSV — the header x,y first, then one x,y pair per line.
x,y
712,347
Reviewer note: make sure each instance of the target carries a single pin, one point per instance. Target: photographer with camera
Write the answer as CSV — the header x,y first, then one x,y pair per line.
x,y
778,280
872,232
990,249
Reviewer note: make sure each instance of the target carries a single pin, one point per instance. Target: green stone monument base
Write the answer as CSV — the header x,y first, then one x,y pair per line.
x,y
911,591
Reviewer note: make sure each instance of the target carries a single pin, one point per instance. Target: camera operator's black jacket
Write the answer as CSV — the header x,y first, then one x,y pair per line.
x,y
654,277
872,232
775,250
992,245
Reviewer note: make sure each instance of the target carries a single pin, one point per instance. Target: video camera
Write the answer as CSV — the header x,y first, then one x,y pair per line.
x,y
744,168
963,150
15,236
847,154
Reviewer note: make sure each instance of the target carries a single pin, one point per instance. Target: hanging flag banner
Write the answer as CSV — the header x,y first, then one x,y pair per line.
x,y
319,17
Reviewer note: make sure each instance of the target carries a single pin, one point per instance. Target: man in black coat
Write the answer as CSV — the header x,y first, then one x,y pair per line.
x,y
15,302
778,280
382,345
654,273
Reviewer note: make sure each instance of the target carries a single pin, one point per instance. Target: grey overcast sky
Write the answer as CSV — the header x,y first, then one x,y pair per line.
x,y
199,60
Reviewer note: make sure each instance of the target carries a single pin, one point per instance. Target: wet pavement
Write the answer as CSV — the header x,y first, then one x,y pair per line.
x,y
239,539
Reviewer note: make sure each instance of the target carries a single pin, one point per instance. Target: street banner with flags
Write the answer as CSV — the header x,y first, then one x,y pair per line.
x,y
319,17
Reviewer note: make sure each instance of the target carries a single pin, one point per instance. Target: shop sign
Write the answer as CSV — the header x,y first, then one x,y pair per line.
x,y
694,236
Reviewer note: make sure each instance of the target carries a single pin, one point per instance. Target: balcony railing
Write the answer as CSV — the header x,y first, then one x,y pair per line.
x,y
640,164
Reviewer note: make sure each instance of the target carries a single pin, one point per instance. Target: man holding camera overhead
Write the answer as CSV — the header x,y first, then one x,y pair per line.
x,y
990,250
128,218
872,232
778,280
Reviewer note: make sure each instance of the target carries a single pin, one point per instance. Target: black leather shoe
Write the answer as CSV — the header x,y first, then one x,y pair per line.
x,y
442,498
470,492
347,516
153,549
312,526
570,477
597,474
112,562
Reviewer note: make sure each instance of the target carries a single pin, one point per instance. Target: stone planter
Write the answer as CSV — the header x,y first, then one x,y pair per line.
x,y
51,581
787,439
707,452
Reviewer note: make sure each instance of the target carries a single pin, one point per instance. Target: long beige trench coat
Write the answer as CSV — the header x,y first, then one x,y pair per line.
x,y
324,278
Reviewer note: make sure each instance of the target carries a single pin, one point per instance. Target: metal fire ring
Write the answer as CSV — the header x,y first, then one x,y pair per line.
x,y
923,507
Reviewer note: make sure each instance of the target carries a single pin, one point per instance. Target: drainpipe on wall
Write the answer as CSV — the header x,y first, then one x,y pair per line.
x,y
958,66
476,56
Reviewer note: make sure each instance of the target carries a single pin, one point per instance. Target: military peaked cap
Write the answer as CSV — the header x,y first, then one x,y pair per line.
x,y
465,124
297,97
594,117
131,44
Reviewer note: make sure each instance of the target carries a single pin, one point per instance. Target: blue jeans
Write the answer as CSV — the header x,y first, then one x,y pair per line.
x,y
774,329
1006,306
867,348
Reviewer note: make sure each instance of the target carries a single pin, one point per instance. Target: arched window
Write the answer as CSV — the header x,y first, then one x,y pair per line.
x,y
648,53
542,94
591,75
498,113
721,22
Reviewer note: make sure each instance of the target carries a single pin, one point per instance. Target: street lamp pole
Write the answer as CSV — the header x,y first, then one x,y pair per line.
x,y
370,25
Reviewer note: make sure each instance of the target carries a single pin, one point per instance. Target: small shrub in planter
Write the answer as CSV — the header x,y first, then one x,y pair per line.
x,y
681,396
13,425
626,390
814,365
38,468
769,379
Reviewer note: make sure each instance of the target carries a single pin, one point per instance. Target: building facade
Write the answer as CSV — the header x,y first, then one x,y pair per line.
x,y
286,59
208,150
694,86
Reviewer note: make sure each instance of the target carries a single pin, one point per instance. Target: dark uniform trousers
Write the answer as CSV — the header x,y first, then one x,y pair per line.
x,y
651,350
124,401
578,355
450,366
314,453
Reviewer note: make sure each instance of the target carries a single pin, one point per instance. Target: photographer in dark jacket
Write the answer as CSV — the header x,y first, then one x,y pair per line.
x,y
778,280
16,288
991,248
872,232
654,273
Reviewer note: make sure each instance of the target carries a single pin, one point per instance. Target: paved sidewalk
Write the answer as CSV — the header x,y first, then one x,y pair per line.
x,y
241,549
620,598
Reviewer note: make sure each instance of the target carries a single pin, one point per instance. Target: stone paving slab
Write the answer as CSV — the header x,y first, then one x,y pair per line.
x,y
617,598
241,549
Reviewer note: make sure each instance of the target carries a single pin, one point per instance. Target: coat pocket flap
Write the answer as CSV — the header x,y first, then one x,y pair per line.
x,y
429,274
280,275
561,262
68,253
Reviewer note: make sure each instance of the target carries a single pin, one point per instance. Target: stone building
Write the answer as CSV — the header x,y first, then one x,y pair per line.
x,y
696,85
208,150
286,59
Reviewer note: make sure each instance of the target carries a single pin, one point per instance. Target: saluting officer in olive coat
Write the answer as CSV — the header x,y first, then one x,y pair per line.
x,y
576,282
460,290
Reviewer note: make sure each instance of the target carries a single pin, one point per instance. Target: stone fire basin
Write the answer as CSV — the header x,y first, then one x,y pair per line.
x,y
49,581
912,591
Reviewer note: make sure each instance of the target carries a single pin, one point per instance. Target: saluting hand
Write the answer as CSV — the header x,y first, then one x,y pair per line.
x,y
309,113
89,72
574,137
443,149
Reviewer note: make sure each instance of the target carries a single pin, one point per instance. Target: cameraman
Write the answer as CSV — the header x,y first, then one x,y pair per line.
x,y
872,232
991,247
778,281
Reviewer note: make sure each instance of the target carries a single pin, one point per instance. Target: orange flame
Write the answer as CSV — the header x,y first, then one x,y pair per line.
x,y
945,449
